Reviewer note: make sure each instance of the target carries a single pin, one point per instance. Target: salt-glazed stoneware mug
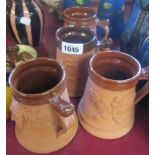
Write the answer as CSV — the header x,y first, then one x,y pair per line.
x,y
85,17
75,47
45,119
107,107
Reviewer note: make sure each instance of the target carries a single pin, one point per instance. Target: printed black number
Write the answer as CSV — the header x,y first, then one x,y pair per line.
x,y
76,49
73,49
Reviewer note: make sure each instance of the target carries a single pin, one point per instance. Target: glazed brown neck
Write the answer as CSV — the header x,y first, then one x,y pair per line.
x,y
76,35
114,70
37,80
80,14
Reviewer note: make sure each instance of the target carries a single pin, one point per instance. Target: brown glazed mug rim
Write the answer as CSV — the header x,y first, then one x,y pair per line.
x,y
56,90
86,46
72,9
110,83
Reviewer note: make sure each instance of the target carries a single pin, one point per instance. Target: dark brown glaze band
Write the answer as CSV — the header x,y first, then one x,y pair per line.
x,y
117,58
78,31
70,12
39,98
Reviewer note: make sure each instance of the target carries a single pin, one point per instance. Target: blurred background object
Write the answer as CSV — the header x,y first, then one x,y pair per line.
x,y
26,20
8,102
135,38
71,3
114,11
16,55
58,6
55,6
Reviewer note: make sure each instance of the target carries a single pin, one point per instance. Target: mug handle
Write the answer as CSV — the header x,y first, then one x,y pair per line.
x,y
145,89
63,107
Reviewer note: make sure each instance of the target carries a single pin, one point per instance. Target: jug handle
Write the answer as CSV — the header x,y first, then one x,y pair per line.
x,y
63,107
141,93
105,43
105,26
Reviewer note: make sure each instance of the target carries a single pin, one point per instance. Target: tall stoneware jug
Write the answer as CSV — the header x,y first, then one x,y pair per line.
x,y
26,20
85,17
75,46
45,118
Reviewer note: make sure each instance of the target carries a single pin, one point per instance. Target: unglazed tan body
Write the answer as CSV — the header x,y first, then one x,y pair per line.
x,y
106,113
40,128
76,68
107,108
45,119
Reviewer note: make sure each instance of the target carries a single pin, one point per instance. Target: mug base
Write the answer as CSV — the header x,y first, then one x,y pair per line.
x,y
59,143
100,132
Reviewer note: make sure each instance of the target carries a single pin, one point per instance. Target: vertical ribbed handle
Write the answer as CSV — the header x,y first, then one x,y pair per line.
x,y
63,107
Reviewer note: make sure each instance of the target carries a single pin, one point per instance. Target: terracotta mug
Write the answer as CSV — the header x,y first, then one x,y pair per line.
x,y
45,119
75,47
85,17
107,107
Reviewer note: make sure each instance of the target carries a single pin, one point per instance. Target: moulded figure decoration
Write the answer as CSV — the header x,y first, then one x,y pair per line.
x,y
26,20
108,120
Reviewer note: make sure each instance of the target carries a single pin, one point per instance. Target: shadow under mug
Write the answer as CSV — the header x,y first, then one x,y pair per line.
x,y
107,107
75,47
45,119
85,17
